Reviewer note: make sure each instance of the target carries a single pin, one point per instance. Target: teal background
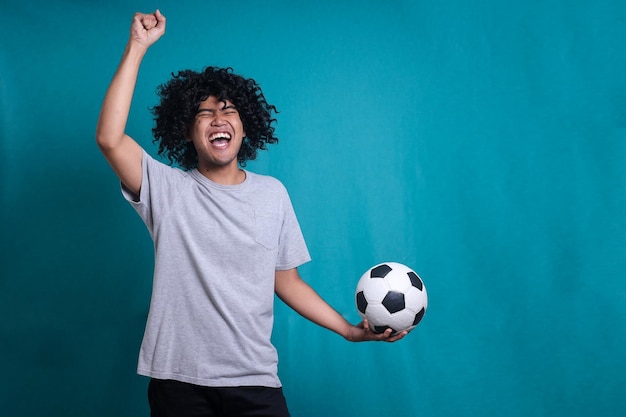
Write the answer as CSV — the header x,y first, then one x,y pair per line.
x,y
481,143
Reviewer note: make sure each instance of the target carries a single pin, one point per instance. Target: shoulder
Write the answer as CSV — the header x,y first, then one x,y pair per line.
x,y
268,193
265,182
157,175
156,165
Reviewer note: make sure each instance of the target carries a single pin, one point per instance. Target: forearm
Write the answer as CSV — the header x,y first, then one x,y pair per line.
x,y
117,101
298,295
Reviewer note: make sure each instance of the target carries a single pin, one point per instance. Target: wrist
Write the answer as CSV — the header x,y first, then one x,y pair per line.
x,y
350,333
135,50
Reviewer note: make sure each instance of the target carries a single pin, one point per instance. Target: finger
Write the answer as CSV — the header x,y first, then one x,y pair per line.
x,y
366,325
397,337
137,19
149,21
159,17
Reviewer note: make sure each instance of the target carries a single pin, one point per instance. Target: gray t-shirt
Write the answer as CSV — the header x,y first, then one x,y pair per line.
x,y
216,252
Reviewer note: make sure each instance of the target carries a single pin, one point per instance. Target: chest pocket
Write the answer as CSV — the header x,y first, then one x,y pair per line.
x,y
267,229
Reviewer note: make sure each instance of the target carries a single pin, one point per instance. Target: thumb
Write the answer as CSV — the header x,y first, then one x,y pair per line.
x,y
159,17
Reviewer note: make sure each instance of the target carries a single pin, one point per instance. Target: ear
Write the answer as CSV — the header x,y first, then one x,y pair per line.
x,y
186,134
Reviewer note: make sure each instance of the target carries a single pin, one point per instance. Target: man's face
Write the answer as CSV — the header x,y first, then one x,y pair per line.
x,y
217,134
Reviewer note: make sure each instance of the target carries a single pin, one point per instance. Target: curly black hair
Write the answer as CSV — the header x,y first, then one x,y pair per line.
x,y
181,97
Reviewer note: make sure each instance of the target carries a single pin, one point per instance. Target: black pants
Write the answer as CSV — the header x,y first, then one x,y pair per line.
x,y
170,398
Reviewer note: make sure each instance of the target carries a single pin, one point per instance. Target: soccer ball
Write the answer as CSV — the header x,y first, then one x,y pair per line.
x,y
391,295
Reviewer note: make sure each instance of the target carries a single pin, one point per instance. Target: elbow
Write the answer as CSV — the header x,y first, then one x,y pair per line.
x,y
101,139
106,142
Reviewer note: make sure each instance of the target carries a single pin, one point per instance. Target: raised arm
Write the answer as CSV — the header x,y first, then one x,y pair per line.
x,y
298,295
120,150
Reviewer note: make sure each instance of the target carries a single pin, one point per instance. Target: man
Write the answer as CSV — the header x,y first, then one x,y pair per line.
x,y
225,239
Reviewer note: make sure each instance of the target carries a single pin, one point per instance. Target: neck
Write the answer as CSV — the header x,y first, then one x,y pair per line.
x,y
226,175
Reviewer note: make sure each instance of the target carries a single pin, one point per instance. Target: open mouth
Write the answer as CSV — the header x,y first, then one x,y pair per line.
x,y
219,138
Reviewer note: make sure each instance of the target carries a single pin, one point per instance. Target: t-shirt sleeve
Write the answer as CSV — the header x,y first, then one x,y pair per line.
x,y
158,183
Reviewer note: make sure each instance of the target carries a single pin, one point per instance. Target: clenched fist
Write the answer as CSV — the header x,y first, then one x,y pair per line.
x,y
146,29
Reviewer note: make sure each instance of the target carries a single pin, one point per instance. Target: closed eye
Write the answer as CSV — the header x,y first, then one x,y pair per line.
x,y
228,111
205,113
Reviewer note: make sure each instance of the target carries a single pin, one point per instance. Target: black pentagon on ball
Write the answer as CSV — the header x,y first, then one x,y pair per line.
x,y
394,301
381,329
415,280
380,271
361,302
419,316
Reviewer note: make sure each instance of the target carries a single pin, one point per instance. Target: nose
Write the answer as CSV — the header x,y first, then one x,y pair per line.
x,y
218,120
